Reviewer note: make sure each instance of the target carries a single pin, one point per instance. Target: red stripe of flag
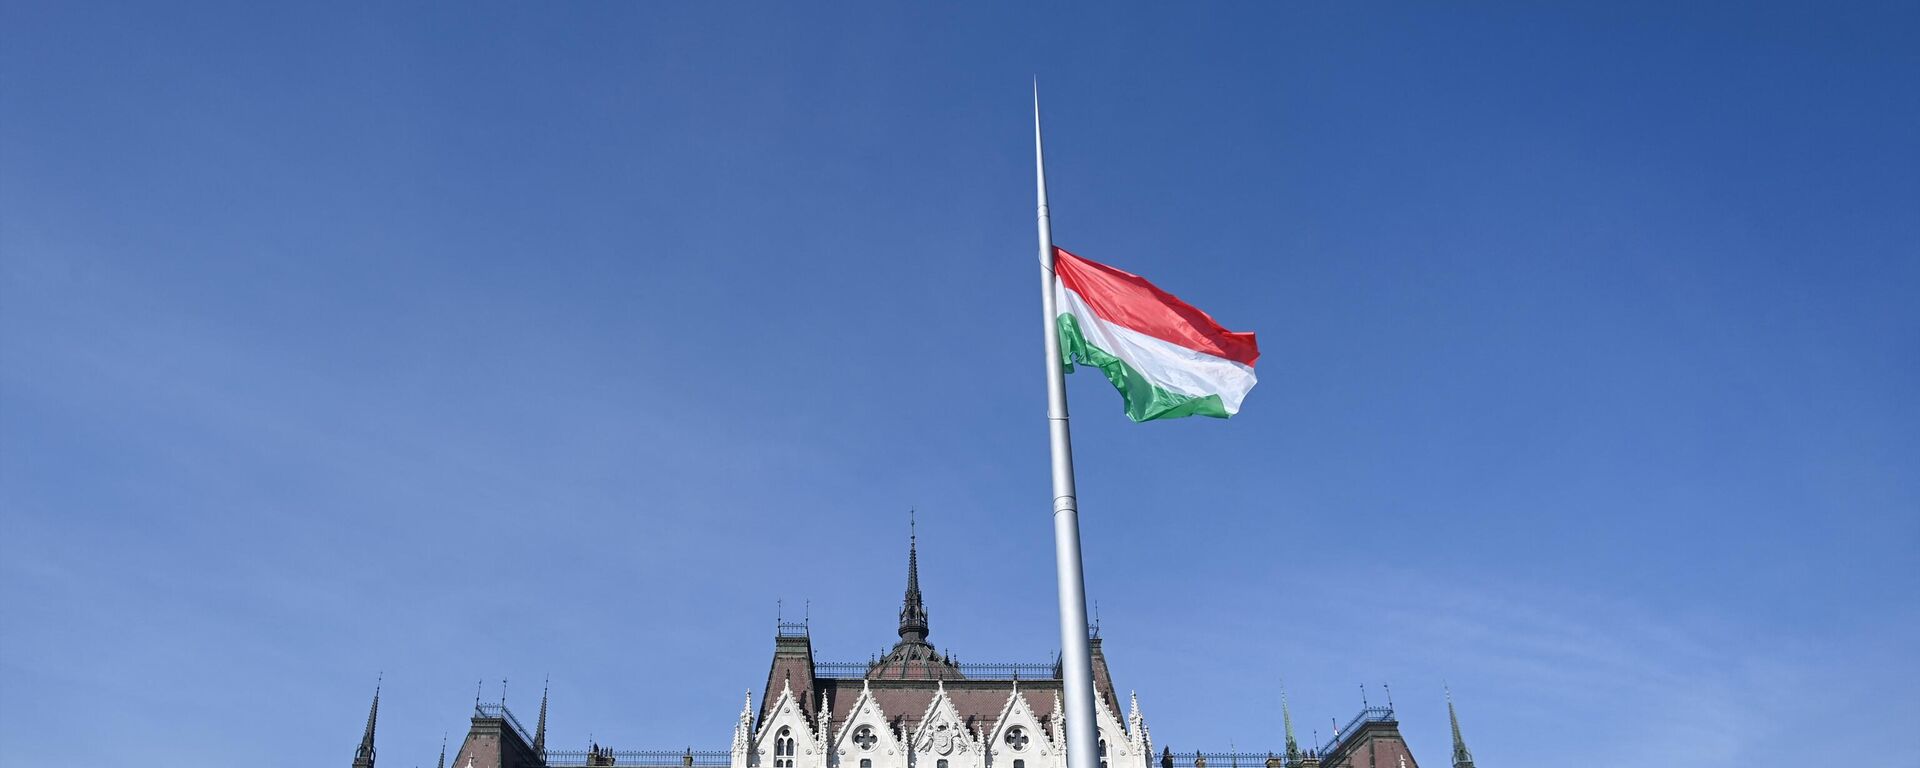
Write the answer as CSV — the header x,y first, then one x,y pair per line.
x,y
1128,300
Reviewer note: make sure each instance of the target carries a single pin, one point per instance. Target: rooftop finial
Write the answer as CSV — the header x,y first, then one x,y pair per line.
x,y
443,750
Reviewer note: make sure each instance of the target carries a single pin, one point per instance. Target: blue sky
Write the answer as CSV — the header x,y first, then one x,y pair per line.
x,y
472,341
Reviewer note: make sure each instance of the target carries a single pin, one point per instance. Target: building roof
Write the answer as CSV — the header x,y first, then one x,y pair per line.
x,y
905,680
904,684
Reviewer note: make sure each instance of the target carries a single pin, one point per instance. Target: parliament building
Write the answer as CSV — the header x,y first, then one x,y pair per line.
x,y
917,708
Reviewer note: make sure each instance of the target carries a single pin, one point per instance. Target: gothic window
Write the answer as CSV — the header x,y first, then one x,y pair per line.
x,y
941,763
1103,753
1019,764
1016,738
783,748
864,737
866,763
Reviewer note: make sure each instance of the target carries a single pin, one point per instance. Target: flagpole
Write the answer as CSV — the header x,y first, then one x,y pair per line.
x,y
1075,655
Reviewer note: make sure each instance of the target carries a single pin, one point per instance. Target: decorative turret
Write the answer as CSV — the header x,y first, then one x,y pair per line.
x,y
540,730
743,728
825,721
363,757
1057,723
1461,757
1137,727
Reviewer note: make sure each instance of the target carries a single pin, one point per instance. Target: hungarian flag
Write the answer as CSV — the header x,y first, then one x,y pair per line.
x,y
1167,358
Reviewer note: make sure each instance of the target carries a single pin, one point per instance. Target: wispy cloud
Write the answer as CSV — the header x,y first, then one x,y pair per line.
x,y
1585,679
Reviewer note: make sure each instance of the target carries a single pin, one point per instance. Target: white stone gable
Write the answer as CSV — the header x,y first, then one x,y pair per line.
x,y
885,751
785,714
1032,746
943,735
1120,750
1124,750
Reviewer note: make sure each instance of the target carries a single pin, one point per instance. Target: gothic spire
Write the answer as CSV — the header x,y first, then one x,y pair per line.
x,y
1286,716
363,757
540,731
913,611
1461,757
913,656
443,751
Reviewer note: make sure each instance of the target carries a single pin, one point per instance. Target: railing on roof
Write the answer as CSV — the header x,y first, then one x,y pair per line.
x,y
791,629
1367,715
1241,759
1221,759
855,670
645,758
501,712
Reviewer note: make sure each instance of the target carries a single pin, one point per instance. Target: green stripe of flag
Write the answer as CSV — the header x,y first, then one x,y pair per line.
x,y
1144,401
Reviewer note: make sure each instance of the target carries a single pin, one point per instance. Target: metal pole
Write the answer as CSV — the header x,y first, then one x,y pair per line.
x,y
1075,656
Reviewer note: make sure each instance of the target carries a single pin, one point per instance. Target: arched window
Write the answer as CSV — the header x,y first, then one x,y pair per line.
x,y
941,763
1103,753
866,763
783,748
1019,764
